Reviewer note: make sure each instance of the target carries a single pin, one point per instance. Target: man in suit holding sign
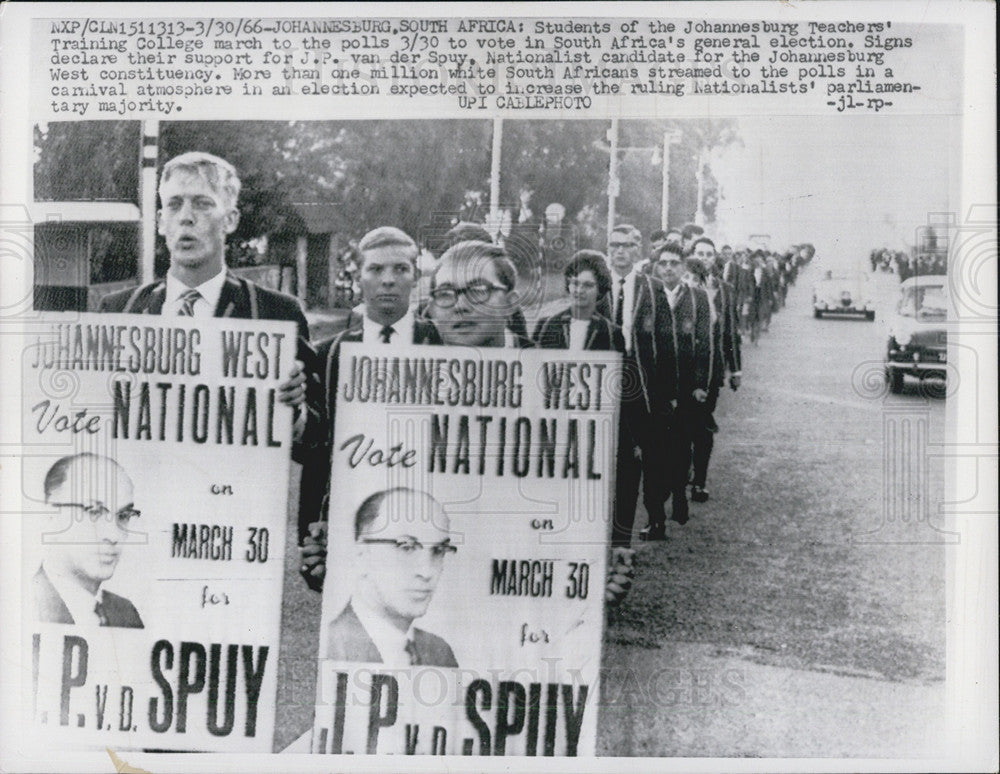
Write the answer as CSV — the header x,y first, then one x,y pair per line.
x,y
198,195
388,275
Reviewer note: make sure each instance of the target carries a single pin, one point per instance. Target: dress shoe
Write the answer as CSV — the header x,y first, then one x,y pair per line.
x,y
653,533
699,494
680,512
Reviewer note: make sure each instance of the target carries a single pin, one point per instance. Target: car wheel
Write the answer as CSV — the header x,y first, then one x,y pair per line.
x,y
817,313
870,316
895,379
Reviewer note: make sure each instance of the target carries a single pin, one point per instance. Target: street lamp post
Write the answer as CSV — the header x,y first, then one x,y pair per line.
x,y
147,198
669,138
613,184
699,214
495,172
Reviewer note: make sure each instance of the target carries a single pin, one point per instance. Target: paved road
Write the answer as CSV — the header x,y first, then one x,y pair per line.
x,y
801,611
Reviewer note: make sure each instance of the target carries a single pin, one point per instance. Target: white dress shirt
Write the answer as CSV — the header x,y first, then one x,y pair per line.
x,y
712,291
389,640
210,290
78,600
673,295
371,331
578,333
628,303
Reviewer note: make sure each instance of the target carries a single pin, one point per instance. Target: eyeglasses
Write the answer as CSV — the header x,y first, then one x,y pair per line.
x,y
411,546
621,245
575,284
477,293
97,511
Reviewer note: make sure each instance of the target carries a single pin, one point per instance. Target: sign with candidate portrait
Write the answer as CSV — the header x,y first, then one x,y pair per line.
x,y
469,515
153,554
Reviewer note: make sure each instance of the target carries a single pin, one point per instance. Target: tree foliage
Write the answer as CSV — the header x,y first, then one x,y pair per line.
x,y
410,174
87,161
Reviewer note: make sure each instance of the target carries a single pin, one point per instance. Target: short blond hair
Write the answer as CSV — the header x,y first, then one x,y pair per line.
x,y
388,236
217,172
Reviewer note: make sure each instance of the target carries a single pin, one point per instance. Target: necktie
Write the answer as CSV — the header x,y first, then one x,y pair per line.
x,y
102,616
386,333
620,303
188,299
411,649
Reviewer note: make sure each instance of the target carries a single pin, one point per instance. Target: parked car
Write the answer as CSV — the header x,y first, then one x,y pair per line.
x,y
918,343
843,294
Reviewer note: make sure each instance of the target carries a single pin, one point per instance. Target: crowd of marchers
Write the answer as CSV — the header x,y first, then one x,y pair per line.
x,y
674,305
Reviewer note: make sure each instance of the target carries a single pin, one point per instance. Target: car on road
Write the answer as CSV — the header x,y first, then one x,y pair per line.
x,y
843,294
918,342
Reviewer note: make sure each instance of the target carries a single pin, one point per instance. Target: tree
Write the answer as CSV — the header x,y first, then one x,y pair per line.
x,y
87,161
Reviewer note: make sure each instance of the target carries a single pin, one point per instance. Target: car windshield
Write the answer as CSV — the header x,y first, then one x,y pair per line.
x,y
927,302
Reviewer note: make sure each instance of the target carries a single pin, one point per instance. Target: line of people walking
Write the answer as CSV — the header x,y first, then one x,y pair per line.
x,y
677,310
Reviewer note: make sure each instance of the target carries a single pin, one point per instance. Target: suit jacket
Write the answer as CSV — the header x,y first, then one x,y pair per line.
x,y
602,334
517,327
317,441
691,337
745,286
725,333
651,353
764,291
348,640
240,298
50,607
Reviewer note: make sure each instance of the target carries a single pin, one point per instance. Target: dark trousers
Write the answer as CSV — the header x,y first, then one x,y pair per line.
x,y
641,459
688,419
703,430
701,452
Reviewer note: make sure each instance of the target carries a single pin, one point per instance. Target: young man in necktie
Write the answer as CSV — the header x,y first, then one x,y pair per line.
x,y
388,275
198,198
647,406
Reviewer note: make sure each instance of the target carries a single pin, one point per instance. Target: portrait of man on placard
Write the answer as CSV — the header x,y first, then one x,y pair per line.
x,y
401,546
97,496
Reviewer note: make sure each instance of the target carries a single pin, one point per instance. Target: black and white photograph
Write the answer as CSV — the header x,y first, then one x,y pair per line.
x,y
619,388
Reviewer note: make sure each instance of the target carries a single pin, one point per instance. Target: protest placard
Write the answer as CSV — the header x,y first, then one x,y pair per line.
x,y
153,555
463,607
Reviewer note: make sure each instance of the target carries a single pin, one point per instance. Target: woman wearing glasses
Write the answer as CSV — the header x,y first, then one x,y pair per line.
x,y
580,327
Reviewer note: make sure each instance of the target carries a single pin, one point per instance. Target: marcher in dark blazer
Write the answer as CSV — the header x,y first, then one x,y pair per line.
x,y
725,359
649,382
198,198
587,280
690,339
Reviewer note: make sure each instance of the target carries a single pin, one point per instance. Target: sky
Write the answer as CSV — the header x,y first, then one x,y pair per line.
x,y
846,184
